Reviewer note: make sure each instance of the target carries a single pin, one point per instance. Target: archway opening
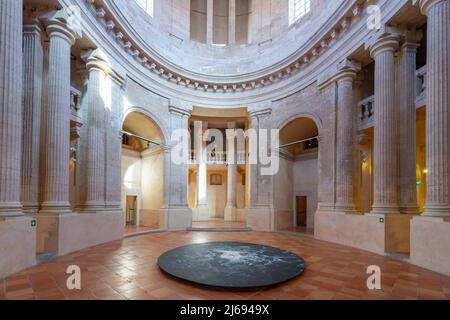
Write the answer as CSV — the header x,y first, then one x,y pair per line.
x,y
142,173
296,184
217,187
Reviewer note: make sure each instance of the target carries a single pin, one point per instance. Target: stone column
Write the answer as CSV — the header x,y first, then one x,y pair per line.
x,y
438,107
232,22
114,145
56,119
33,57
209,21
252,164
385,165
178,214
202,172
407,103
230,210
11,12
260,214
345,198
97,66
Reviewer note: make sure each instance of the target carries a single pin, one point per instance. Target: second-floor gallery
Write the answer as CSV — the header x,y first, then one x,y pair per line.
x,y
278,118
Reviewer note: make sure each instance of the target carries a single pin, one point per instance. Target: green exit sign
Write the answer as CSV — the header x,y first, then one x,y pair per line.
x,y
33,223
381,220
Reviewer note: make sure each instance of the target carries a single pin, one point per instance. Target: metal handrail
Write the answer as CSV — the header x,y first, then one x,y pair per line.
x,y
141,138
298,142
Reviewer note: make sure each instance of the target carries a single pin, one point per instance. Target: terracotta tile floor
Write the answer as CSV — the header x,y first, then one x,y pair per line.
x,y
127,270
304,230
136,229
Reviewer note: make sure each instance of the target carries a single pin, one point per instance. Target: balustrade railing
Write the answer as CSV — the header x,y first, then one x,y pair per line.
x,y
366,111
218,157
421,87
75,104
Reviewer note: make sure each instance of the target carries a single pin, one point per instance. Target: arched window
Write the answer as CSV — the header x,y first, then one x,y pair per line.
x,y
147,5
298,9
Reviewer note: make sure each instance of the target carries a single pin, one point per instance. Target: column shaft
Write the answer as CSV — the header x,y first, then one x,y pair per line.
x,y
202,185
438,109
386,199
95,193
407,101
33,57
344,151
202,171
56,120
114,149
231,191
11,12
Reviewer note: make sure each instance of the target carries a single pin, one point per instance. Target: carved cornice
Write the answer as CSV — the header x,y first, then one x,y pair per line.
x,y
180,111
258,113
160,68
346,69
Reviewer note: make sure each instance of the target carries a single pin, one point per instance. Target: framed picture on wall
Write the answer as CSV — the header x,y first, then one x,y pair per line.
x,y
216,179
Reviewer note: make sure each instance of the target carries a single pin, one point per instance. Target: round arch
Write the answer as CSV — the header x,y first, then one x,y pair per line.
x,y
143,169
152,116
296,186
317,120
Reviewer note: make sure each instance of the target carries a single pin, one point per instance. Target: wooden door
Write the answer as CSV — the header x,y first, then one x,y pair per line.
x,y
131,210
302,205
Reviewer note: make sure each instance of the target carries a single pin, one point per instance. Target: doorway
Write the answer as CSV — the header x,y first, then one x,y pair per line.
x,y
301,211
131,208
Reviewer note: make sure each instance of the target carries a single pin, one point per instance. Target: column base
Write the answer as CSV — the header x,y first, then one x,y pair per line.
x,y
30,207
11,209
385,209
326,207
55,208
230,214
347,208
437,211
413,210
92,208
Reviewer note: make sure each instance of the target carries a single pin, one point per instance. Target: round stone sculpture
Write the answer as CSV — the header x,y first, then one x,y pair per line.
x,y
232,265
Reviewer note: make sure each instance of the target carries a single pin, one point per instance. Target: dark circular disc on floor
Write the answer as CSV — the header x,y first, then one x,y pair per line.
x,y
232,265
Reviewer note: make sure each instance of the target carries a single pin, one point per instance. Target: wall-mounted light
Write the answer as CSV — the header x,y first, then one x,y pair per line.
x,y
425,171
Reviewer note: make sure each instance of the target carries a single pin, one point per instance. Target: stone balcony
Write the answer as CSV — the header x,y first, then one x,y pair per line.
x,y
366,113
218,158
366,107
75,104
421,87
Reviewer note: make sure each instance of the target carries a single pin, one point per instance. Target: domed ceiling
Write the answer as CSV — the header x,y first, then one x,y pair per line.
x,y
270,39
260,46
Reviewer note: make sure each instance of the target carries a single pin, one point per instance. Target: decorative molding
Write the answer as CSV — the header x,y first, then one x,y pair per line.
x,y
316,49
